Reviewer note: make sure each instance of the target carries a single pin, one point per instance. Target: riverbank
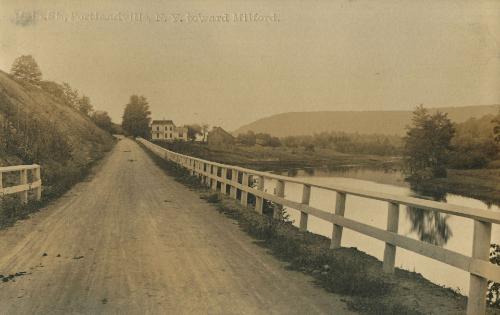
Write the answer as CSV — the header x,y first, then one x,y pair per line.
x,y
280,158
346,271
482,184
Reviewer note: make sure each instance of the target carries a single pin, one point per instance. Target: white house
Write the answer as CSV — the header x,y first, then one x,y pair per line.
x,y
166,130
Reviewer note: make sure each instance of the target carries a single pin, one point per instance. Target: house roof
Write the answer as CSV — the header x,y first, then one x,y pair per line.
x,y
219,130
162,122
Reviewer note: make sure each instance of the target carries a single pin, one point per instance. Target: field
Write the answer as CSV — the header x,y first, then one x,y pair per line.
x,y
279,158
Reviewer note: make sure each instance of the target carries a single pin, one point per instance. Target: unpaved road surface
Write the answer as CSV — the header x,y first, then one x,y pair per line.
x,y
131,240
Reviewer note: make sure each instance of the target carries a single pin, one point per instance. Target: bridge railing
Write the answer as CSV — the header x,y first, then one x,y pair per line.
x,y
28,178
481,270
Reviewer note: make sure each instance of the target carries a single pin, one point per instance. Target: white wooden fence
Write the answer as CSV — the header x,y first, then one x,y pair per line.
x,y
478,265
24,185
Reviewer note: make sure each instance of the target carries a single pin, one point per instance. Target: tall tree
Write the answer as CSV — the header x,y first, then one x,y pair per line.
x,y
70,95
26,70
102,119
84,105
136,117
427,144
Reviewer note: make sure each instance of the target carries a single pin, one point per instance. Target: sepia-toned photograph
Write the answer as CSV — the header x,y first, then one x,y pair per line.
x,y
250,157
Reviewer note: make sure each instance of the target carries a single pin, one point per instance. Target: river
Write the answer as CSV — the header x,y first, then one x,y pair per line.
x,y
448,231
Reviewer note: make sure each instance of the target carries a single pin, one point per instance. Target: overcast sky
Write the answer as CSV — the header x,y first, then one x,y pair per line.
x,y
305,56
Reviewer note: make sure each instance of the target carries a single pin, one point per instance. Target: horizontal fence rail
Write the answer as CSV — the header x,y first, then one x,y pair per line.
x,y
481,270
25,183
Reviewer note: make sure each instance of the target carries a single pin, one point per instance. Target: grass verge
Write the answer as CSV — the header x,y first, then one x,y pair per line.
x,y
345,271
57,179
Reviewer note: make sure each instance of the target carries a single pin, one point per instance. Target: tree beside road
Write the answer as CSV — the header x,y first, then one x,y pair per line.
x,y
136,117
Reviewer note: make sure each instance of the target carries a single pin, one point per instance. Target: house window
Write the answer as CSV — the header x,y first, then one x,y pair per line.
x,y
158,128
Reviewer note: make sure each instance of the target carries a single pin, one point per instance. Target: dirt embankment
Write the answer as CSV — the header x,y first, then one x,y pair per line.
x,y
38,127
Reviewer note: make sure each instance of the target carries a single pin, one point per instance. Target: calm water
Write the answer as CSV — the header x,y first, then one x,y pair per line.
x,y
451,232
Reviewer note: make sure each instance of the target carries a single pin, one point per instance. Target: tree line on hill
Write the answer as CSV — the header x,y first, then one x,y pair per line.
x,y
339,141
30,138
39,124
26,71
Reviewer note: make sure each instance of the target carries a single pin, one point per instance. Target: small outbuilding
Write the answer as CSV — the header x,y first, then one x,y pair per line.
x,y
219,137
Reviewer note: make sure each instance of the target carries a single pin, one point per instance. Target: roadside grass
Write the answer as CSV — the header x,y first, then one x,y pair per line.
x,y
57,179
346,271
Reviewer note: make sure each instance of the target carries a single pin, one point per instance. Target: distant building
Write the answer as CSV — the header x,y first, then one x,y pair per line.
x,y
166,130
218,136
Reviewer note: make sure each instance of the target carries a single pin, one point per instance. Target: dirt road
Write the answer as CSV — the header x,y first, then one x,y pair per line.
x,y
131,240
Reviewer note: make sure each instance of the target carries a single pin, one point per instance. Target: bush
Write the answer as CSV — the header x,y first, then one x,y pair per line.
x,y
468,160
493,295
211,198
11,209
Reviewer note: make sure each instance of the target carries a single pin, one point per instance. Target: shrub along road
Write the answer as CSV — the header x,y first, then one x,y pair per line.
x,y
132,240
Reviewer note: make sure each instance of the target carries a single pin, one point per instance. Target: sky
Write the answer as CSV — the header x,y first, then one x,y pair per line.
x,y
201,62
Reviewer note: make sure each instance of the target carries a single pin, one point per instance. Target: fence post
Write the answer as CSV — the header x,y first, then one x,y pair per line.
x,y
244,194
337,229
280,192
23,180
476,303
1,181
392,226
204,170
259,201
215,171
223,185
306,196
38,177
234,179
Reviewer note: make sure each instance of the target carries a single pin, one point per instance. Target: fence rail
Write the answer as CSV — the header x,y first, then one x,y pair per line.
x,y
25,183
481,270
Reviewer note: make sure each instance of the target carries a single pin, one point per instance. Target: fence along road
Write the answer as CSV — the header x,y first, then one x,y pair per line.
x,y
481,270
24,186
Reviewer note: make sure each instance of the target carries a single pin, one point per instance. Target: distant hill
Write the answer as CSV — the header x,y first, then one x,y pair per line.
x,y
363,122
37,127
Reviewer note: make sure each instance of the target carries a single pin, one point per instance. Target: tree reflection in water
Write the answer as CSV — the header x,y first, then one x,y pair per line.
x,y
430,226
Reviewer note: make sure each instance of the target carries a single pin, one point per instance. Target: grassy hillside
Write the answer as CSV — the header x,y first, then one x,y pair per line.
x,y
366,122
37,127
